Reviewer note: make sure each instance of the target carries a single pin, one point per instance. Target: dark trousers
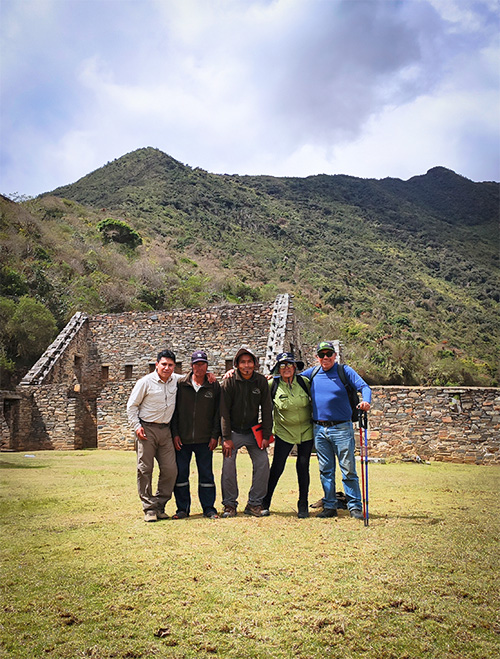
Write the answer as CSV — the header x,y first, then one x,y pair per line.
x,y
206,482
281,452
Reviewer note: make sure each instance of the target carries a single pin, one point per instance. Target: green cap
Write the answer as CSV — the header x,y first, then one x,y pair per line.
x,y
325,345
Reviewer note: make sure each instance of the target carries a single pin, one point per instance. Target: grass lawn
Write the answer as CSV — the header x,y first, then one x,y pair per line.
x,y
84,576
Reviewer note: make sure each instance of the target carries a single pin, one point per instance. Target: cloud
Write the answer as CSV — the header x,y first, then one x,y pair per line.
x,y
285,87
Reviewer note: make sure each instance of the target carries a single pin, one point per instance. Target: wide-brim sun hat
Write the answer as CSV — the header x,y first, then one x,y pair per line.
x,y
287,357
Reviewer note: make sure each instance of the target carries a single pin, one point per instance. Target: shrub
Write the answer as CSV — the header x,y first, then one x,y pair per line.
x,y
118,231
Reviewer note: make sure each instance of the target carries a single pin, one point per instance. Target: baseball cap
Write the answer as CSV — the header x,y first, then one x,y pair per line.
x,y
199,356
325,345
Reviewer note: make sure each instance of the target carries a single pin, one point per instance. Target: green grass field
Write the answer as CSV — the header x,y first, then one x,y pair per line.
x,y
84,576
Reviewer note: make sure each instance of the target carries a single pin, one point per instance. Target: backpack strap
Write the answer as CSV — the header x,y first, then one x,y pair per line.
x,y
274,386
303,384
352,394
314,372
342,376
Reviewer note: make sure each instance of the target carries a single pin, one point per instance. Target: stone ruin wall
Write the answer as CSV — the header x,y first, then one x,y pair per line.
x,y
55,402
90,371
133,340
452,424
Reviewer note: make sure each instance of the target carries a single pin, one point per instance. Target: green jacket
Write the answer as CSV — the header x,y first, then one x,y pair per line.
x,y
196,418
292,412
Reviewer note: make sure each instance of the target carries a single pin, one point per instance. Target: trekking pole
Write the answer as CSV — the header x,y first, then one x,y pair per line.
x,y
361,452
363,422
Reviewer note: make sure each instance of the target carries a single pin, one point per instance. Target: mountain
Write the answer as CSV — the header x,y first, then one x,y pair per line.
x,y
404,272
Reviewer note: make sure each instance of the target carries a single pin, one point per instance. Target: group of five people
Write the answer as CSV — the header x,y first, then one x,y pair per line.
x,y
174,416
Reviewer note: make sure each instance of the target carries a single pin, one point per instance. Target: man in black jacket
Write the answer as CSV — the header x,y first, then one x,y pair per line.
x,y
244,394
196,429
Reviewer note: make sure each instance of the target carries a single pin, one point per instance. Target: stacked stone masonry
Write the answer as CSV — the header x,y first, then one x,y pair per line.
x,y
436,423
75,396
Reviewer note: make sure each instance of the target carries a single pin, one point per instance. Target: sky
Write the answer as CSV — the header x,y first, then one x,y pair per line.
x,y
368,88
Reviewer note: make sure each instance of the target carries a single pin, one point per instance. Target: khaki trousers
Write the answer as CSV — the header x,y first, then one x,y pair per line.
x,y
159,446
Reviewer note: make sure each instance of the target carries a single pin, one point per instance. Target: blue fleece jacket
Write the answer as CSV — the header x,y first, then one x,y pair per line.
x,y
329,396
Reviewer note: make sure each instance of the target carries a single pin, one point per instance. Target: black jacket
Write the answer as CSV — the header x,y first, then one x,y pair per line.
x,y
196,419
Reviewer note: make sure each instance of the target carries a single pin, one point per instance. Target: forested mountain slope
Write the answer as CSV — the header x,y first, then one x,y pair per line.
x,y
404,272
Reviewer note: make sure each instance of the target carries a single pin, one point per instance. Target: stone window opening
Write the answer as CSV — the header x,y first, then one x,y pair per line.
x,y
128,371
152,366
105,372
229,364
77,367
456,402
178,367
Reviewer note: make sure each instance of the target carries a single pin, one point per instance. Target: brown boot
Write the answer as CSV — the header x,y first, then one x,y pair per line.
x,y
256,511
229,511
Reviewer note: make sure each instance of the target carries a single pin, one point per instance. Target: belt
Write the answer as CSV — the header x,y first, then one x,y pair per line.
x,y
153,423
329,424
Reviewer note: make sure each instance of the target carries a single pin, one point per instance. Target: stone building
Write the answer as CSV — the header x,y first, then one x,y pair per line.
x,y
75,396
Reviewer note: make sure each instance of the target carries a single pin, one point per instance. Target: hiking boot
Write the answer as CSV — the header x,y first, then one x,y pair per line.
x,y
303,510
229,511
150,516
317,504
356,513
180,514
328,512
211,514
162,515
255,511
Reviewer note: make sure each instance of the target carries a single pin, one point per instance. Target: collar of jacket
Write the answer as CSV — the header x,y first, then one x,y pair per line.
x,y
187,380
238,376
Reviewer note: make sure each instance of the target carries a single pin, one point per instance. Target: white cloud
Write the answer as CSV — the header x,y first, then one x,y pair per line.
x,y
286,87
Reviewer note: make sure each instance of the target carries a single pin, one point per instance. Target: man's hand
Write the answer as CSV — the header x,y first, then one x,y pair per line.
x,y
211,378
177,443
228,374
140,433
212,444
227,448
364,406
265,444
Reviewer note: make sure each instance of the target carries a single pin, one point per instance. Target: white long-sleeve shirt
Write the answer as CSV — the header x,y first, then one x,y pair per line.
x,y
152,400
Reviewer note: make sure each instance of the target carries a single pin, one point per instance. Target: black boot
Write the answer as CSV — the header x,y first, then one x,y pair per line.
x,y
303,507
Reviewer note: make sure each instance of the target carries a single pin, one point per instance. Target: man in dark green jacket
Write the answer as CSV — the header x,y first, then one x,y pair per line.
x,y
196,429
244,394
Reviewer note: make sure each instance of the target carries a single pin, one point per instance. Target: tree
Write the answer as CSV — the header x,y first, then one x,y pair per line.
x,y
30,329
119,232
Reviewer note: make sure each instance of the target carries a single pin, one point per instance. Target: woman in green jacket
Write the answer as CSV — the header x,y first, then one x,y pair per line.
x,y
292,426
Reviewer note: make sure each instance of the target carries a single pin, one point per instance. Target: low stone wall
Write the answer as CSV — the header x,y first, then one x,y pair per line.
x,y
459,424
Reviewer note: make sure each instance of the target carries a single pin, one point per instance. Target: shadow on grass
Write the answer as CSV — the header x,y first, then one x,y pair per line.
x,y
12,465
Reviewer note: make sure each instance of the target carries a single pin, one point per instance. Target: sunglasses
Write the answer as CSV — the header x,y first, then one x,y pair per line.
x,y
283,365
327,353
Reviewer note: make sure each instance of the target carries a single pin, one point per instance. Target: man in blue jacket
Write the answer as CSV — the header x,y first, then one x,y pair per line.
x,y
333,429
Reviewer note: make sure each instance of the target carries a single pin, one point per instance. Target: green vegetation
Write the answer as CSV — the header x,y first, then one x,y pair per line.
x,y
119,232
405,273
84,576
26,328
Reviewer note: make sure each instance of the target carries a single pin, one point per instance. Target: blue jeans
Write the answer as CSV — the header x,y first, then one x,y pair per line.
x,y
206,483
337,441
